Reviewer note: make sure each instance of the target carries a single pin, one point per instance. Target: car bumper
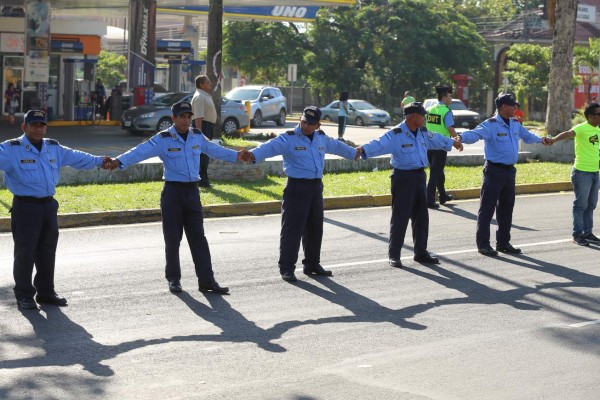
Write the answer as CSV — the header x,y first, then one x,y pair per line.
x,y
139,124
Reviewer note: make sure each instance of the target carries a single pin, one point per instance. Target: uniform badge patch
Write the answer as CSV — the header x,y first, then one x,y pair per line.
x,y
300,148
174,149
27,161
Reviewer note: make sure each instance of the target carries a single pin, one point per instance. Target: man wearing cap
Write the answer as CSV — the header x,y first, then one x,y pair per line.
x,y
205,118
584,175
31,165
501,134
303,151
439,120
408,143
179,148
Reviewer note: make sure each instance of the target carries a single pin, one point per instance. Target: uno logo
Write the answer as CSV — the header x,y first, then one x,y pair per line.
x,y
289,11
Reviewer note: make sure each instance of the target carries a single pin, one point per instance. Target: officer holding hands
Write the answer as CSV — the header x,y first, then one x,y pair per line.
x,y
31,165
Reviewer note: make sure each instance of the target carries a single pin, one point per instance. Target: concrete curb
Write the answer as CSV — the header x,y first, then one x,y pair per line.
x,y
267,207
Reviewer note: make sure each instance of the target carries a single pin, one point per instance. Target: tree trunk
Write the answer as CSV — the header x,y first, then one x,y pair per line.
x,y
213,56
558,114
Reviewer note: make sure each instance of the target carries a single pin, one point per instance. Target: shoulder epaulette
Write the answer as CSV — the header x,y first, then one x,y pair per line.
x,y
196,130
52,141
492,119
165,134
291,132
321,132
15,142
397,130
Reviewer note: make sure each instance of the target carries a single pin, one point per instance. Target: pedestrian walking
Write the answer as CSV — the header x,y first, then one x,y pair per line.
x,y
205,118
439,120
31,165
343,115
11,102
303,151
179,148
501,135
408,143
584,175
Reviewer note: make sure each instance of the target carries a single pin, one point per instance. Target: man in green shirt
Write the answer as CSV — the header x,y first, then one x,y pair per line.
x,y
408,99
584,175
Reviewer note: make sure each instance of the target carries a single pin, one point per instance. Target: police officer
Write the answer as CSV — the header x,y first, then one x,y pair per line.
x,y
179,148
501,134
408,143
303,151
439,120
31,165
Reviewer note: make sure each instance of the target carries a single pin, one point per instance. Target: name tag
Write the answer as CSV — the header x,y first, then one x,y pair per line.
x,y
27,161
300,148
502,134
407,145
171,149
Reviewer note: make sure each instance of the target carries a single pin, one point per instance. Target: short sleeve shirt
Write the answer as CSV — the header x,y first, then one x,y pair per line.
x,y
586,147
204,107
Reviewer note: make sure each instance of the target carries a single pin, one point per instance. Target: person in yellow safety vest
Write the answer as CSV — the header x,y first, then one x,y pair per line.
x,y
439,120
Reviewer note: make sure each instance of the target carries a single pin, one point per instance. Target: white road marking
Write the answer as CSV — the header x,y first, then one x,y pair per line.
x,y
581,324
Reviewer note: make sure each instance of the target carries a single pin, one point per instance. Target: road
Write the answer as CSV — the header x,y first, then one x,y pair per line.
x,y
512,327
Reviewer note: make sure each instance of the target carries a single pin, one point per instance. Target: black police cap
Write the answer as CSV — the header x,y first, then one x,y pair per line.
x,y
443,89
505,98
180,108
311,114
33,116
414,108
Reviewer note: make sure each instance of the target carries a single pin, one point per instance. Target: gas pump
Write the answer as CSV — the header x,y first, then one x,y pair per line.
x,y
83,100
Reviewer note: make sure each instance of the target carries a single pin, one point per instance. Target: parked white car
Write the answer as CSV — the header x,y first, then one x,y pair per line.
x,y
267,103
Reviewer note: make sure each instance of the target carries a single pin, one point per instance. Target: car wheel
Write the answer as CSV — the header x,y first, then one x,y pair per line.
x,y
280,120
359,121
327,118
230,126
257,119
382,125
164,124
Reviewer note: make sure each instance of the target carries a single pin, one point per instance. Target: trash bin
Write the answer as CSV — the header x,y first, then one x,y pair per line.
x,y
116,108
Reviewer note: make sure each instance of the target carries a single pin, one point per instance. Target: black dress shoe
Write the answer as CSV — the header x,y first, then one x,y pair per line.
x,y
175,287
317,270
427,259
446,199
204,183
508,248
487,251
27,303
213,287
52,299
289,276
433,206
395,263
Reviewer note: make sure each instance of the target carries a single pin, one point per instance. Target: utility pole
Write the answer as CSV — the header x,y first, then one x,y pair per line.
x,y
214,56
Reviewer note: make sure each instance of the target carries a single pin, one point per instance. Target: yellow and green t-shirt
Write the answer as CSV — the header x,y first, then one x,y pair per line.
x,y
587,157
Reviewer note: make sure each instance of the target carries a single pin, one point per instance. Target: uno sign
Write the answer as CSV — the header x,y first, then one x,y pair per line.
x,y
289,11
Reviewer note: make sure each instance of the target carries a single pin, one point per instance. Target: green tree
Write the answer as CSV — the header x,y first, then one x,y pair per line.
x,y
262,51
111,68
527,70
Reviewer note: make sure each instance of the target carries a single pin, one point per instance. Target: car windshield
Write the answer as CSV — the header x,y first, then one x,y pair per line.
x,y
363,105
458,105
167,99
243,94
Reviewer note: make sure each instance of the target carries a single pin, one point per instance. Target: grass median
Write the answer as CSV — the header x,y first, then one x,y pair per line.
x,y
144,195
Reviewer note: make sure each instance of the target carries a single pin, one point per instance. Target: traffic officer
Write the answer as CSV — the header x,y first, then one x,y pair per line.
x,y
439,120
501,134
31,165
179,148
303,151
408,143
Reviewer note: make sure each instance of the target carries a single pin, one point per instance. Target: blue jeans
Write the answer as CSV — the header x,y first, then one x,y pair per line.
x,y
585,186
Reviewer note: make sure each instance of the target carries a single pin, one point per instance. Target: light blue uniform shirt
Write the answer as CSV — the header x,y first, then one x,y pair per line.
x,y
303,158
501,140
29,172
408,151
181,159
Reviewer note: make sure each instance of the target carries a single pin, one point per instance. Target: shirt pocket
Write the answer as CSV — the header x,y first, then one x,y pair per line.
x,y
502,137
55,169
175,160
196,153
29,172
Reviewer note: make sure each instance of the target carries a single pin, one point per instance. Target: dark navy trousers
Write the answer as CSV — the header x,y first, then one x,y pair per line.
x,y
34,226
409,201
437,178
497,194
207,130
301,221
181,210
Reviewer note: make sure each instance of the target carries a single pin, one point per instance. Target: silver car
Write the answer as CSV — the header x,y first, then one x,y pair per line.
x,y
361,113
266,103
156,116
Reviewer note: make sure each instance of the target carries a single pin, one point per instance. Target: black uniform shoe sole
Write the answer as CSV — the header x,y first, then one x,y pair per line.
x,y
395,263
427,260
487,252
320,273
434,206
27,304
175,289
447,199
55,301
508,250
219,290
288,278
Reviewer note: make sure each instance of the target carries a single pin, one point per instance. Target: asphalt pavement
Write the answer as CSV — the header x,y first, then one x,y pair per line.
x,y
472,327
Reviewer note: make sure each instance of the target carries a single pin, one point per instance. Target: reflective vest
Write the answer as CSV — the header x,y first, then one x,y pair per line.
x,y
435,119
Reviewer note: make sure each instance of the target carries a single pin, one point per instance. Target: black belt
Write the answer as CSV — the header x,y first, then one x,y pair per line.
x,y
505,166
409,170
304,179
32,199
182,184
